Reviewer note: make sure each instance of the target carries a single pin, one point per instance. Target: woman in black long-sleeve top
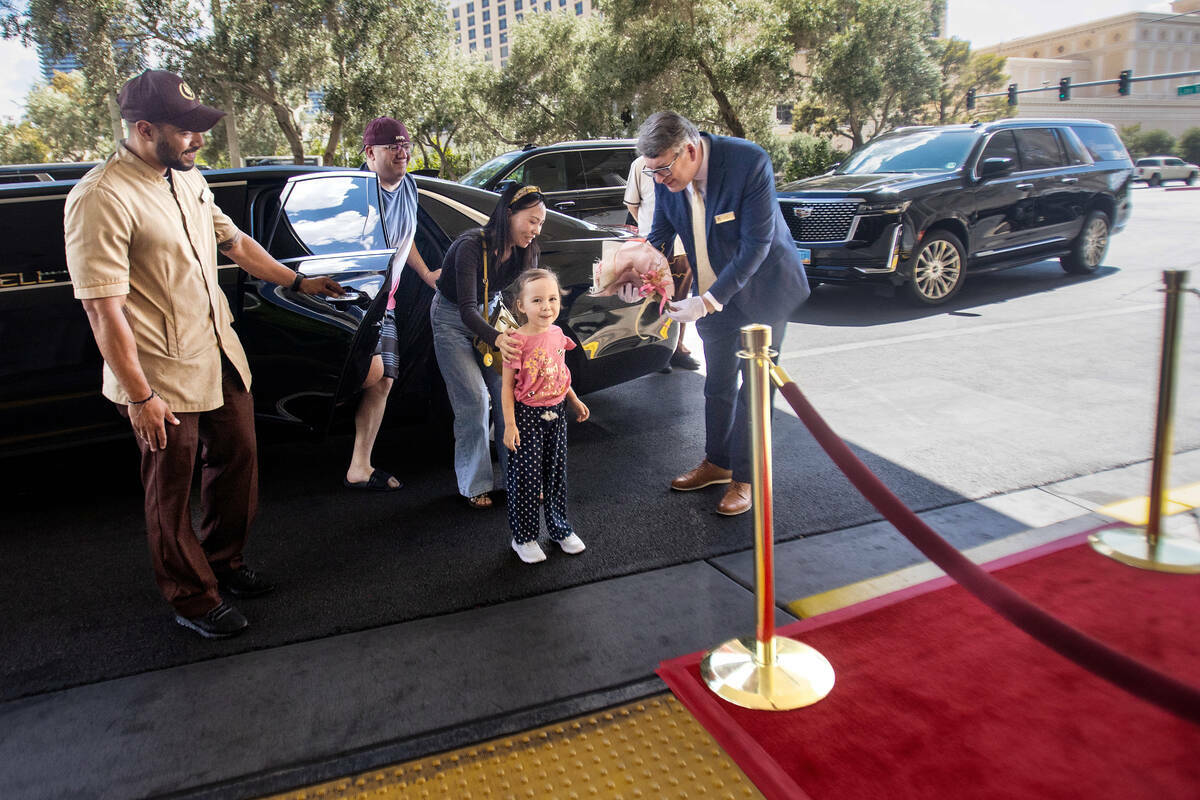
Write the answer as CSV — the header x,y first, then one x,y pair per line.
x,y
457,316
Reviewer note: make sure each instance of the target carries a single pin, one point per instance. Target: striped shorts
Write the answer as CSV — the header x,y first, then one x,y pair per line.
x,y
388,346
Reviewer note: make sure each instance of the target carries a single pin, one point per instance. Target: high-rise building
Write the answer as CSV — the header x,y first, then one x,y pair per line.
x,y
50,65
483,26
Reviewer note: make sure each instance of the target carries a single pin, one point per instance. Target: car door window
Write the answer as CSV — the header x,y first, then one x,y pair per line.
x,y
329,215
1076,154
606,169
551,172
1039,148
1102,143
1002,145
1173,162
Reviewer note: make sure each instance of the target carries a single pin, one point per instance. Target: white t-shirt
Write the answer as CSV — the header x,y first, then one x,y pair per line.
x,y
639,191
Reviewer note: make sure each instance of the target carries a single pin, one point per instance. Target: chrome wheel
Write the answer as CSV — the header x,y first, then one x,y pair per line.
x,y
938,270
1095,242
1088,249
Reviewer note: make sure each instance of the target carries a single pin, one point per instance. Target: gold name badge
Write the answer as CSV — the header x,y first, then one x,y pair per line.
x,y
726,217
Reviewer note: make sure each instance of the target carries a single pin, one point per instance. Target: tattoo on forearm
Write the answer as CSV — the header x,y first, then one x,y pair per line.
x,y
226,247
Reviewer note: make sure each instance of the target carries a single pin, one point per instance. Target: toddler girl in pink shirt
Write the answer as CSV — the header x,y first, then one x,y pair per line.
x,y
536,389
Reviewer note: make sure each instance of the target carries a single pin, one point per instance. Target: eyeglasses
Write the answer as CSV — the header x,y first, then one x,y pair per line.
x,y
392,148
663,171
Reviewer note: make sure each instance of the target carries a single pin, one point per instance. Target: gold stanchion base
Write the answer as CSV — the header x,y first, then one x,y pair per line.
x,y
799,677
1129,546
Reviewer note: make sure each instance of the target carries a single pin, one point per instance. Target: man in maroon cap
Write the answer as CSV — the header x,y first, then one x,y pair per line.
x,y
388,149
142,235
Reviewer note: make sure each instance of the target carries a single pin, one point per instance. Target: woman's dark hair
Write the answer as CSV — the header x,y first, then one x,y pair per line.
x,y
497,232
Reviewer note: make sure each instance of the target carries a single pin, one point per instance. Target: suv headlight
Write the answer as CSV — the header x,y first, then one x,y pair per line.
x,y
887,207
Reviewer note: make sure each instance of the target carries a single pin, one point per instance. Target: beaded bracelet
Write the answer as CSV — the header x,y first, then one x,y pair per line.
x,y
153,394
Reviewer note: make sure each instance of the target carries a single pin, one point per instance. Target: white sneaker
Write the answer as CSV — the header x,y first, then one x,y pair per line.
x,y
572,544
529,552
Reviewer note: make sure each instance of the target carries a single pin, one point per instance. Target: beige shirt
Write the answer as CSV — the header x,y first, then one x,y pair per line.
x,y
131,232
639,191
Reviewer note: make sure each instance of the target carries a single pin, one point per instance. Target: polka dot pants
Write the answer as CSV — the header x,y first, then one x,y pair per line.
x,y
539,467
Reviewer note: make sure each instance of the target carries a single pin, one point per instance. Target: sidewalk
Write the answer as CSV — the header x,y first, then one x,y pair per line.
x,y
273,719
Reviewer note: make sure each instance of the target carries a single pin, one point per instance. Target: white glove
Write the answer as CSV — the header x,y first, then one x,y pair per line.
x,y
689,309
628,293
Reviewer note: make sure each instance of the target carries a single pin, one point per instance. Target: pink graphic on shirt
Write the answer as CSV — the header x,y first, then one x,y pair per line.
x,y
542,375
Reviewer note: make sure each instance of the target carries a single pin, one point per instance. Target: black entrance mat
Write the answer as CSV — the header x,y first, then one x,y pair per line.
x,y
79,602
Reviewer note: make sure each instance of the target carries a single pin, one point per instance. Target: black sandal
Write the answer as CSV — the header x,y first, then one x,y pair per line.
x,y
378,482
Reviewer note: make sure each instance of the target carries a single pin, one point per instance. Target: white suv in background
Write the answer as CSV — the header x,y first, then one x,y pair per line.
x,y
1159,169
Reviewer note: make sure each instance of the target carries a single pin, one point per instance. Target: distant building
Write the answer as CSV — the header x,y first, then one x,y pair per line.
x,y
50,65
482,27
1149,43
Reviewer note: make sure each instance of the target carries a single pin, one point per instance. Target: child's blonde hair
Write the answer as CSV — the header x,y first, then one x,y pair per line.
x,y
524,279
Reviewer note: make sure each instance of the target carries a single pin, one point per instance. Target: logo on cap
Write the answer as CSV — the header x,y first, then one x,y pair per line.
x,y
186,91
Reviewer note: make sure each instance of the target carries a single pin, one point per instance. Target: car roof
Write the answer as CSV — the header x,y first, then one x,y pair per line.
x,y
1007,123
580,144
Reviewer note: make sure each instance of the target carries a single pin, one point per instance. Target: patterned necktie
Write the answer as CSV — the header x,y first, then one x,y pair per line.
x,y
704,271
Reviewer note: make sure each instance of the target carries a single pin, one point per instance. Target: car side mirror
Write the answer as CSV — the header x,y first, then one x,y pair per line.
x,y
991,167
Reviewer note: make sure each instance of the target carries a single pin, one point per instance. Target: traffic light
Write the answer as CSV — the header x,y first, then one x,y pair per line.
x,y
970,99
1012,94
1064,88
1123,81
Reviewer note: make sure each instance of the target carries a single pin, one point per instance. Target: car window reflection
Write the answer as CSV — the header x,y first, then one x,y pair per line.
x,y
334,214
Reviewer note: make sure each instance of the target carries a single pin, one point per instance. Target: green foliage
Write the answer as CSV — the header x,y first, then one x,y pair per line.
x,y
551,88
68,120
876,70
808,156
850,67
960,70
1141,143
20,143
1189,146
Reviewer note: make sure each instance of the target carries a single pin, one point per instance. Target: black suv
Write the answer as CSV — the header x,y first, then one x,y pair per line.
x,y
583,179
919,207
308,354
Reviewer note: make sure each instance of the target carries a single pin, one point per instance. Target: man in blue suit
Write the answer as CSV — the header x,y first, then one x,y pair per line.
x,y
718,194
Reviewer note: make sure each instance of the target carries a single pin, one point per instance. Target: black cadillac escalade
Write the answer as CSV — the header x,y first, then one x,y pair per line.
x,y
920,207
308,354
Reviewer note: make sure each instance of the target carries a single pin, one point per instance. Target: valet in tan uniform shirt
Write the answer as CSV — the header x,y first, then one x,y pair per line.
x,y
142,234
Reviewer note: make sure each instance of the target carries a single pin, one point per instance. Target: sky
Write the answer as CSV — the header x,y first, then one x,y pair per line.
x,y
980,22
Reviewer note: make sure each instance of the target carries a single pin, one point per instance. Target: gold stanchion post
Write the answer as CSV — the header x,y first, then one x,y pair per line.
x,y
764,672
1151,548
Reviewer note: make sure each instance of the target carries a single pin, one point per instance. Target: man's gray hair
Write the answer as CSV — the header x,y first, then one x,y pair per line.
x,y
665,132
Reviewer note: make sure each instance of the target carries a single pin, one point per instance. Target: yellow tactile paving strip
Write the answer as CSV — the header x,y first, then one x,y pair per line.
x,y
650,749
1136,511
918,573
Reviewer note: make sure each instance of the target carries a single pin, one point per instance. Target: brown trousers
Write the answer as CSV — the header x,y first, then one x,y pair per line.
x,y
224,441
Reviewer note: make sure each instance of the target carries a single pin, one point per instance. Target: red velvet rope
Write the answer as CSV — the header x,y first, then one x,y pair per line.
x,y
1129,674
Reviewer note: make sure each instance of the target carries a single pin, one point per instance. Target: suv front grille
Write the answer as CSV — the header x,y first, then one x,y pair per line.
x,y
824,222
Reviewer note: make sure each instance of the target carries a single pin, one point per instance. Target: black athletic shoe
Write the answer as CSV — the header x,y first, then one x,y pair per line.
x,y
243,582
220,623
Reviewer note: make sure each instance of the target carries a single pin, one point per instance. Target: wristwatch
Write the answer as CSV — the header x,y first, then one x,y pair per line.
x,y
296,282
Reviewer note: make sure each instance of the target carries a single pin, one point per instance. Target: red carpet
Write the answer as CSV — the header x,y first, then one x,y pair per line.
x,y
938,697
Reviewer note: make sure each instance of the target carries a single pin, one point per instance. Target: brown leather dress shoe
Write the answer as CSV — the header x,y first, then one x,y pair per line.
x,y
704,475
736,500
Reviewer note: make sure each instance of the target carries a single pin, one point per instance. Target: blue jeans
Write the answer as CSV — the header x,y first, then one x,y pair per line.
x,y
469,384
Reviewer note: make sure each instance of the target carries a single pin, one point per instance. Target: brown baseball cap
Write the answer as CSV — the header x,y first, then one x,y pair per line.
x,y
160,96
384,130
